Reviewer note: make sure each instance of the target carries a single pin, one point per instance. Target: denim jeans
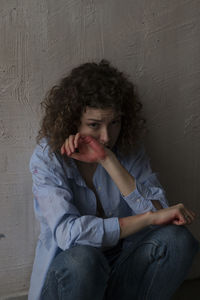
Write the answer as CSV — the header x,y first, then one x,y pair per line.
x,y
151,268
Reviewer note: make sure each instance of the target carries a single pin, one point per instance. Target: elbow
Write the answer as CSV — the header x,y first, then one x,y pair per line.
x,y
64,235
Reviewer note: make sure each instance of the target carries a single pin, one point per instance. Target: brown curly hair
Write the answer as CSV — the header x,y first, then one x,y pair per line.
x,y
97,85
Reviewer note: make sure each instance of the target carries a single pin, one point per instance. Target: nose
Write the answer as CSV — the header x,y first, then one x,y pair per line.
x,y
104,136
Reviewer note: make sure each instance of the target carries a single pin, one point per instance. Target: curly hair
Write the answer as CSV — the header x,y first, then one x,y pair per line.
x,y
96,85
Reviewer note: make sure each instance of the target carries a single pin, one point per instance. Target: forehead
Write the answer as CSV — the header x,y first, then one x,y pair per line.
x,y
101,114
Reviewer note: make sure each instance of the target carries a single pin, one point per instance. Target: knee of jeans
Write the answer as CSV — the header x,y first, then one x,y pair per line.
x,y
181,239
148,251
81,260
154,250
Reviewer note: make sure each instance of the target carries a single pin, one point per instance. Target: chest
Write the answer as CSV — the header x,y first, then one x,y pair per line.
x,y
104,193
87,175
88,178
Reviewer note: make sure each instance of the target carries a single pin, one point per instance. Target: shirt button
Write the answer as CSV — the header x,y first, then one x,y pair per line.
x,y
99,188
138,200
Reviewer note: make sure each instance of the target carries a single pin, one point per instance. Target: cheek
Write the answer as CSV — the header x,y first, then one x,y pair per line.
x,y
84,130
88,131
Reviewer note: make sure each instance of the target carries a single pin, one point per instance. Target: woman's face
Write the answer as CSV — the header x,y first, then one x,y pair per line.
x,y
102,124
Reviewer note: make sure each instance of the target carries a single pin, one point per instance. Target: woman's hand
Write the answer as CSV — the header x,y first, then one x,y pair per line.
x,y
176,214
89,149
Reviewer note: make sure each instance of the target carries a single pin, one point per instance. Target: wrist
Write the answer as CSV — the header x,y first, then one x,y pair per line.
x,y
150,218
109,155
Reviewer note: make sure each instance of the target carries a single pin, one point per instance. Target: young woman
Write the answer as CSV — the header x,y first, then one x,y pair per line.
x,y
106,229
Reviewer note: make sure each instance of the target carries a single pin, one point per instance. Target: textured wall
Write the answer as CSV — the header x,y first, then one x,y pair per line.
x,y
156,42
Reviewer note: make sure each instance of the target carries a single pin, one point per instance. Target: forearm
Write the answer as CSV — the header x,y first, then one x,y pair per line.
x,y
133,224
124,181
176,214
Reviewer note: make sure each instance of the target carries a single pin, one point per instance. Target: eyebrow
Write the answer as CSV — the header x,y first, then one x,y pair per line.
x,y
96,120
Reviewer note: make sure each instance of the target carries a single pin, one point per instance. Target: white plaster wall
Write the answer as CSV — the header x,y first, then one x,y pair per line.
x,y
156,42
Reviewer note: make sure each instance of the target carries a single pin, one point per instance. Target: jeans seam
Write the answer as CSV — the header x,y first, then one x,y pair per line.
x,y
153,277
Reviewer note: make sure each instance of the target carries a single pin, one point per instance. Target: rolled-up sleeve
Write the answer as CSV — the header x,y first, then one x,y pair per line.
x,y
148,186
55,209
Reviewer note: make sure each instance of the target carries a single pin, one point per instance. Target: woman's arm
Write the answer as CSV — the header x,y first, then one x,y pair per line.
x,y
124,181
55,208
177,214
127,184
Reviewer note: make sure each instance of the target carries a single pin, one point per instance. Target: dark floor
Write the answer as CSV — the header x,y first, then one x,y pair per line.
x,y
189,290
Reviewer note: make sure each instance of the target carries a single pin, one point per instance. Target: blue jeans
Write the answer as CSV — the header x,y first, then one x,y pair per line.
x,y
153,267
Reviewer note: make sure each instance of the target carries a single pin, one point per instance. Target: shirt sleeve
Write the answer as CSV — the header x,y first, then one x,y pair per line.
x,y
148,186
55,209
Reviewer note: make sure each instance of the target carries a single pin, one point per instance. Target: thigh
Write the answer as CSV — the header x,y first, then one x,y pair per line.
x,y
156,255
128,273
77,273
177,239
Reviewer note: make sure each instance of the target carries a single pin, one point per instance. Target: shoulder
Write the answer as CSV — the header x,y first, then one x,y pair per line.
x,y
134,158
47,167
41,151
42,155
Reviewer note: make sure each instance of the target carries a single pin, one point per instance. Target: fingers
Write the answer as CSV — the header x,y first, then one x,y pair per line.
x,y
187,214
62,150
89,149
94,143
67,147
71,144
182,215
76,139
180,221
193,214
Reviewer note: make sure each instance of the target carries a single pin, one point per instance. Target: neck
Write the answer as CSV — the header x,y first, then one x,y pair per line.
x,y
86,166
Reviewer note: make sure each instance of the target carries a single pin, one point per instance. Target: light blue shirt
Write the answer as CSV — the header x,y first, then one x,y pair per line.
x,y
66,207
